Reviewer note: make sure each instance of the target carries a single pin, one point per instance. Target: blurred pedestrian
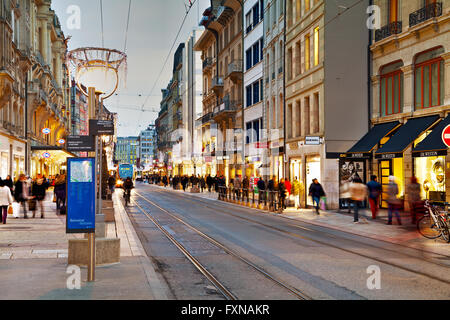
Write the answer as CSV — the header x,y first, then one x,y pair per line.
x,y
375,190
316,192
358,193
237,187
209,182
245,187
261,185
414,199
38,190
6,199
60,191
282,193
297,191
111,183
9,183
393,202
22,193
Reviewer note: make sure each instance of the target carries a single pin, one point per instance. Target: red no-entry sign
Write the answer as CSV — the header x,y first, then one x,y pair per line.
x,y
446,136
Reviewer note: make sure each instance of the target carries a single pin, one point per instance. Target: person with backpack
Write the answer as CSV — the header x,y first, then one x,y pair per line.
x,y
375,189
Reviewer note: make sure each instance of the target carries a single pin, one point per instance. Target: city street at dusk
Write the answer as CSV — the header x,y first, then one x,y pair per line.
x,y
225,158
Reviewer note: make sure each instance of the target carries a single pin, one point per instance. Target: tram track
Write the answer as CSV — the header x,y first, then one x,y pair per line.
x,y
303,237
220,287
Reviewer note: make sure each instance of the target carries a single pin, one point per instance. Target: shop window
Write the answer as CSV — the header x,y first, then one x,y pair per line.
x,y
429,79
430,173
316,46
393,11
307,53
391,89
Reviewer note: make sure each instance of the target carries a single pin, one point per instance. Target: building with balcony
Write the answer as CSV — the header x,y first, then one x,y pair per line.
x,y
410,104
252,69
222,44
273,92
34,88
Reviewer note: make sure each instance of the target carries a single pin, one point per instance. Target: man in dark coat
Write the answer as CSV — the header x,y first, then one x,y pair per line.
x,y
209,182
261,189
316,192
21,192
38,192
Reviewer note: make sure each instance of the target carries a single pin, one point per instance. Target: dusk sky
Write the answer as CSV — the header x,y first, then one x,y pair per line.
x,y
152,29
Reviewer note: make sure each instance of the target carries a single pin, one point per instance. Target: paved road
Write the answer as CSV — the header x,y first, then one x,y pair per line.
x,y
306,260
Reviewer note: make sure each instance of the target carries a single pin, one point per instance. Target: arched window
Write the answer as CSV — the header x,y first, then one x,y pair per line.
x,y
391,89
429,79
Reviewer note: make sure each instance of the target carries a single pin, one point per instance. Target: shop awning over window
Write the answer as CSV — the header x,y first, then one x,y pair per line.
x,y
432,145
371,138
404,137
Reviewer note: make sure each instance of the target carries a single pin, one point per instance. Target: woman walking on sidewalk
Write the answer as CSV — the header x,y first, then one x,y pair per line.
x,y
21,193
5,200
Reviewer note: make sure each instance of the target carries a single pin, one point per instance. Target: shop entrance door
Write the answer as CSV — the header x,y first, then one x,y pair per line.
x,y
385,172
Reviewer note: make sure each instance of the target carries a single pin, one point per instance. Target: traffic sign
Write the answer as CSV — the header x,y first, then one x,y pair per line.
x,y
61,141
46,155
46,131
446,136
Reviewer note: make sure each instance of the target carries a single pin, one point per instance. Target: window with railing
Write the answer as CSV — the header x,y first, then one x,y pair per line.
x,y
429,79
391,89
431,9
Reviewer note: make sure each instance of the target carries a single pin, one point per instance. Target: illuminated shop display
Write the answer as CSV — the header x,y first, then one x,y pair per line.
x,y
430,173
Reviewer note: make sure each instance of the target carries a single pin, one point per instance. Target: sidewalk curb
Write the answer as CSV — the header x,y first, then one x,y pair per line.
x,y
159,288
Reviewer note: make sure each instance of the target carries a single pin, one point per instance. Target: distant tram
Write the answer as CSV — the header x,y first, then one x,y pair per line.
x,y
124,171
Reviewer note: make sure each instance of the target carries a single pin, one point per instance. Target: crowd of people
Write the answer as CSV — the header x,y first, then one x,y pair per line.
x,y
283,191
28,195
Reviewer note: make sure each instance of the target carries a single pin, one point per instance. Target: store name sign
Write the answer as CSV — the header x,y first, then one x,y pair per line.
x,y
389,155
312,141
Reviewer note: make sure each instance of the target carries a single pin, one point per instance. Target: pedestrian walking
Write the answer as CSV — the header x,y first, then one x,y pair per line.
x,y
261,185
245,187
165,181
38,190
22,193
111,183
60,191
6,199
209,182
374,189
297,191
392,200
358,193
271,191
237,187
9,183
184,182
316,192
414,199
202,183
282,193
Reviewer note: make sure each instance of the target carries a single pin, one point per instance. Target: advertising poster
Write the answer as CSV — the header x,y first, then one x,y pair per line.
x,y
349,169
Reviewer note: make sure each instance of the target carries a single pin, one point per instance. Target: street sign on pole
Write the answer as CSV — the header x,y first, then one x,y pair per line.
x,y
446,136
101,127
80,143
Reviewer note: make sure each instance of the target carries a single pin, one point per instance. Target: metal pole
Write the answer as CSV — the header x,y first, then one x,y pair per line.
x,y
91,262
100,159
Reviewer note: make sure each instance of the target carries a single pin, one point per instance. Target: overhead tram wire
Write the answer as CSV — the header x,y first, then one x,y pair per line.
x,y
128,23
101,19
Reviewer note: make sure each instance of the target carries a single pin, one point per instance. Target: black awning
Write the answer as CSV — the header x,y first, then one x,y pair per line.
x,y
405,136
371,138
433,145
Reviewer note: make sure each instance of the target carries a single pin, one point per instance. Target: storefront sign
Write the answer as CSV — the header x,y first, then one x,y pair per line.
x,y
261,145
362,155
430,153
389,155
312,141
101,127
80,195
446,136
80,143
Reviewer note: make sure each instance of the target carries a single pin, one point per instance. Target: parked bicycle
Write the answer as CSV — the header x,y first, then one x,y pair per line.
x,y
435,223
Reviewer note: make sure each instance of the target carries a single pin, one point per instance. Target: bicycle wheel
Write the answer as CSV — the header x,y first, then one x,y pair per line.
x,y
444,229
428,228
